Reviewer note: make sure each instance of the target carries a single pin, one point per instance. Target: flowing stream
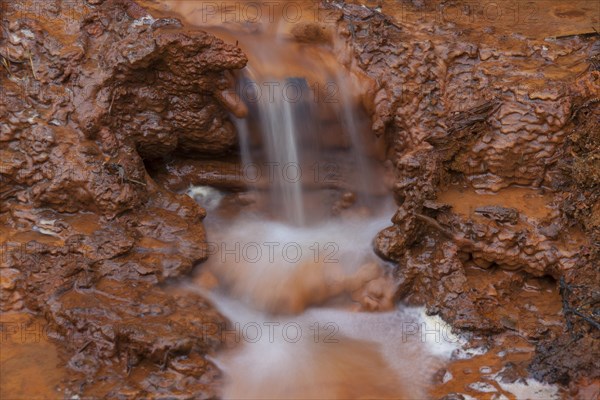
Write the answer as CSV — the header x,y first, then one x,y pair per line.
x,y
311,306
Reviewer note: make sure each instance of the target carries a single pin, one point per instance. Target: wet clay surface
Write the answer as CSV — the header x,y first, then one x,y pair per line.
x,y
93,92
29,363
454,113
87,234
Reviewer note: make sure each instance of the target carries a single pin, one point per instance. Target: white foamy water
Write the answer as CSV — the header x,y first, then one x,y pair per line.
x,y
328,353
277,267
320,349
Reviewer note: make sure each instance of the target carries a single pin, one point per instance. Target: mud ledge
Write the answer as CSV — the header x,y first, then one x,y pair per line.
x,y
453,116
89,92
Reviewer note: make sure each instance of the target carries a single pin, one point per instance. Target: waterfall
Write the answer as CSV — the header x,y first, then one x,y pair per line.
x,y
299,260
241,124
286,115
352,127
280,130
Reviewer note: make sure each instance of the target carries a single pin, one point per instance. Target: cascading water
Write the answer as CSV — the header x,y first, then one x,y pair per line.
x,y
291,155
280,126
293,279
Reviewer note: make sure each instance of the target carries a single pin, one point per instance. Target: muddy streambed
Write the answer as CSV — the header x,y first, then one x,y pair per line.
x,y
394,199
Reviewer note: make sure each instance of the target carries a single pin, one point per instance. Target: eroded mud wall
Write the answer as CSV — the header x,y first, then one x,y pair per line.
x,y
486,108
89,90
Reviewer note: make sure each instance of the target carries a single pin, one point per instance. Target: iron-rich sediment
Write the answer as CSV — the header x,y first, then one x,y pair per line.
x,y
88,94
93,92
471,112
